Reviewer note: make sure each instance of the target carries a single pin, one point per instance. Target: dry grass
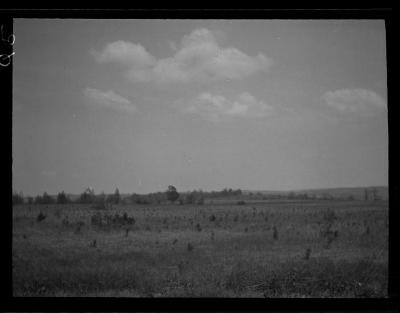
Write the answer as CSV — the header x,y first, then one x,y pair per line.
x,y
262,250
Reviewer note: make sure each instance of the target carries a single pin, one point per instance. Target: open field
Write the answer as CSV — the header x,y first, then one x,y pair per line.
x,y
263,249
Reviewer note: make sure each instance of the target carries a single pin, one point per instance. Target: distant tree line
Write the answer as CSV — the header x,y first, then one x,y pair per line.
x,y
171,195
223,193
371,194
17,198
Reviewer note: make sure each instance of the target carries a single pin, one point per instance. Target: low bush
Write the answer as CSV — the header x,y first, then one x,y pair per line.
x,y
108,220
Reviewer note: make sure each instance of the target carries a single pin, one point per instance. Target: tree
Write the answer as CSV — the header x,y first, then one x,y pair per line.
x,y
327,196
189,198
172,194
38,199
87,196
139,199
17,198
101,198
46,199
375,195
62,198
117,197
200,199
239,192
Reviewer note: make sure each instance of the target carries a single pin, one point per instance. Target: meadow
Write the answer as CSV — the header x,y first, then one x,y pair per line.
x,y
313,248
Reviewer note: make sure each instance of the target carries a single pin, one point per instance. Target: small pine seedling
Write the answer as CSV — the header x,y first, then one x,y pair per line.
x,y
336,234
40,217
275,234
198,227
307,254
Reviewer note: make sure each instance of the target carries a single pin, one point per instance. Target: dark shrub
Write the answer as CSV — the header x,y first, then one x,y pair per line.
x,y
40,217
200,201
108,220
99,206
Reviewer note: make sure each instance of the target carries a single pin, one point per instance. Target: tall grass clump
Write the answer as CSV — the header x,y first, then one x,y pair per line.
x,y
275,233
327,233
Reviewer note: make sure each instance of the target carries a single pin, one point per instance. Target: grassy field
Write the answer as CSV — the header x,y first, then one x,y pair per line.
x,y
264,249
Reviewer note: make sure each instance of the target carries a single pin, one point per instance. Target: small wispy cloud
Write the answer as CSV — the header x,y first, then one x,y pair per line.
x,y
354,101
217,108
198,57
109,100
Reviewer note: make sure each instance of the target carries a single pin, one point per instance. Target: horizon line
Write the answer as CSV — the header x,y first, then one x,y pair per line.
x,y
233,189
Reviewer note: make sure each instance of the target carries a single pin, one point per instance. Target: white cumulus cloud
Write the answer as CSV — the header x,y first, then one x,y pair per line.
x,y
126,53
198,57
354,100
217,107
109,99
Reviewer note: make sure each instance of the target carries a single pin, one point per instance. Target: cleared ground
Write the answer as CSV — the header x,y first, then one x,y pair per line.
x,y
264,249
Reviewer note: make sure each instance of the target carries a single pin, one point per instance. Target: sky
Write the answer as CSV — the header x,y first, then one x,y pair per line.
x,y
199,104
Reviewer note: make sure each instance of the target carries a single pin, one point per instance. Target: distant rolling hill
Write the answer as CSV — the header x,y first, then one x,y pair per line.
x,y
356,192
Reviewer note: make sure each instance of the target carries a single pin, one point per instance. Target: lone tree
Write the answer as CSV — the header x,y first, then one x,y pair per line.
x,y
114,198
117,197
172,194
366,194
87,196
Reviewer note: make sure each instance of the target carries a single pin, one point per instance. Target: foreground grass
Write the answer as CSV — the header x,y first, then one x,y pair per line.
x,y
228,258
